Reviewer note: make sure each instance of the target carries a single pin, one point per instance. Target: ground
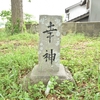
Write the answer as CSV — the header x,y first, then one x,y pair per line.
x,y
81,54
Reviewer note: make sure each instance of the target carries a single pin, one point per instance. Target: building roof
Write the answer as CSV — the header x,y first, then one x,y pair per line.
x,y
75,5
79,17
83,2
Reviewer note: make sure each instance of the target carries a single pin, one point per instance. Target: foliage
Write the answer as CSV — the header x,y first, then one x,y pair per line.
x,y
6,16
28,18
81,54
29,0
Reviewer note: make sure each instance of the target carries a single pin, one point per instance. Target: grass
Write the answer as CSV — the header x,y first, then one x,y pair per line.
x,y
81,54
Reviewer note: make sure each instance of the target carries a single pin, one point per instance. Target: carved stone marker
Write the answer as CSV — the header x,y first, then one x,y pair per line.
x,y
49,51
49,45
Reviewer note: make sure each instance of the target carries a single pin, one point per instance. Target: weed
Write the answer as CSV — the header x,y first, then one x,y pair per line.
x,y
19,54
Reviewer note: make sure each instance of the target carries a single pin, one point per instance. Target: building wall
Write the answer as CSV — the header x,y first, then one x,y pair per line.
x,y
94,10
76,11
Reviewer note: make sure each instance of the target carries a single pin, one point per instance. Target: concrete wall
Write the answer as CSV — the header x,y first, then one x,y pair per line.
x,y
87,28
69,27
32,28
94,14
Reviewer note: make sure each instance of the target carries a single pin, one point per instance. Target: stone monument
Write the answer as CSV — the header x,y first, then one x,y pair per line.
x,y
49,51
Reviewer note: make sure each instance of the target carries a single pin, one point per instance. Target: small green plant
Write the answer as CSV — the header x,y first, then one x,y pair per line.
x,y
19,54
53,79
38,90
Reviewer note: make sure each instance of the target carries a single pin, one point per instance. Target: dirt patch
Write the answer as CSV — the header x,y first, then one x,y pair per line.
x,y
81,45
5,45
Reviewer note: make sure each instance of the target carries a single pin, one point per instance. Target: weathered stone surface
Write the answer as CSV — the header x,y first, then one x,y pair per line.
x,y
49,44
69,27
35,76
49,52
86,28
32,28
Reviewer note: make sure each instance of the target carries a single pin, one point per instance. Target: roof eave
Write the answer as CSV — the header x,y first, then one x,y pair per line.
x,y
77,4
83,3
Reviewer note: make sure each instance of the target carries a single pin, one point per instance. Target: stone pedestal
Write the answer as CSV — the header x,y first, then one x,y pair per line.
x,y
35,76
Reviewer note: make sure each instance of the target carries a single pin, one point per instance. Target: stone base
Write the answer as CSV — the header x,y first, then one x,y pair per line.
x,y
35,76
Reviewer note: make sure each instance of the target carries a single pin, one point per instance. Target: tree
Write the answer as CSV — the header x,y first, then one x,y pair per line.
x,y
17,15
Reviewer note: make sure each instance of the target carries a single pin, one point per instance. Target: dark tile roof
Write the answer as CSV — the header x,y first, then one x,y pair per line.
x,y
75,5
84,2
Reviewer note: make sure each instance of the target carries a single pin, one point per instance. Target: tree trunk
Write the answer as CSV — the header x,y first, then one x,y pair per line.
x,y
17,15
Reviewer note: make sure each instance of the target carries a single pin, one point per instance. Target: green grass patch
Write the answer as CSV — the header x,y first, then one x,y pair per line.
x,y
80,54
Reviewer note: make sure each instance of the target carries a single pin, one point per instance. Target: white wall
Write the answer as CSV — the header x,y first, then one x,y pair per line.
x,y
77,11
